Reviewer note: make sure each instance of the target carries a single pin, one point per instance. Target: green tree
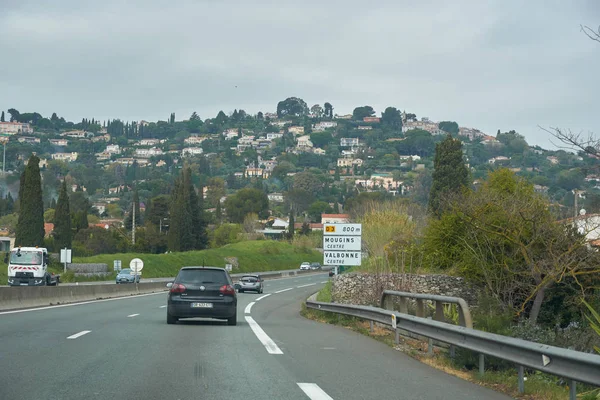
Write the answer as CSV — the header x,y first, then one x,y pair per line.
x,y
328,110
80,220
449,126
2,117
504,237
158,210
292,106
392,118
244,202
317,208
30,227
361,112
316,111
450,174
62,220
307,181
321,139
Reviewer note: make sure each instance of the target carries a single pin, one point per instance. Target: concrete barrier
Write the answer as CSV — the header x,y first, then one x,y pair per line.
x,y
36,296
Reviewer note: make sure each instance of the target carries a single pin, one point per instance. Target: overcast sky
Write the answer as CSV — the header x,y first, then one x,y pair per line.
x,y
486,64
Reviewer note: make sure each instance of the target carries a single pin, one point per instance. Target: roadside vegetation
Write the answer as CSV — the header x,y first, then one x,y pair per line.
x,y
252,256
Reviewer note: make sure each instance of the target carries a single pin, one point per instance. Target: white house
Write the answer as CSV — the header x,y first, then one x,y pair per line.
x,y
349,142
12,128
296,130
194,140
273,136
145,153
113,149
275,197
321,126
191,151
68,157
335,218
59,142
304,142
148,142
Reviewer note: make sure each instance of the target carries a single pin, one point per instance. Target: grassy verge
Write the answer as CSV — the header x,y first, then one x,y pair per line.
x,y
538,386
253,256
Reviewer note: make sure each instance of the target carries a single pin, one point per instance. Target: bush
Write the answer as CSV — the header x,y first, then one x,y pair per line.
x,y
225,234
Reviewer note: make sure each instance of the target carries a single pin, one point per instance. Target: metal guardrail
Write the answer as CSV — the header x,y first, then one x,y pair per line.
x,y
573,365
464,315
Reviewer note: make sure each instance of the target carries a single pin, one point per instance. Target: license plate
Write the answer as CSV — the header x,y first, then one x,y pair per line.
x,y
202,305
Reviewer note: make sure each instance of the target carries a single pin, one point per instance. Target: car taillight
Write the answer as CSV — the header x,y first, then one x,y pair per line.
x,y
227,290
177,288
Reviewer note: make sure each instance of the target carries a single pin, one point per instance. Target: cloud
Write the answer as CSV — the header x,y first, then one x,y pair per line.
x,y
490,64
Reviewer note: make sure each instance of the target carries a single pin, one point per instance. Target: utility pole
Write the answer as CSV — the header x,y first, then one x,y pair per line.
x,y
133,226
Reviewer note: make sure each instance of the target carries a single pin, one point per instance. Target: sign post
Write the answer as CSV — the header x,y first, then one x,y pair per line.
x,y
136,266
342,244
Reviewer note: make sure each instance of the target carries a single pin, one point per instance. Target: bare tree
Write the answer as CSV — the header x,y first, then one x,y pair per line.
x,y
587,143
591,33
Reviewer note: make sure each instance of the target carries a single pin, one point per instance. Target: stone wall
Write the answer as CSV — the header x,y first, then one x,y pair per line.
x,y
89,269
366,289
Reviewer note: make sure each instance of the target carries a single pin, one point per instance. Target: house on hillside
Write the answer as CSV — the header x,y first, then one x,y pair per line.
x,y
13,128
335,218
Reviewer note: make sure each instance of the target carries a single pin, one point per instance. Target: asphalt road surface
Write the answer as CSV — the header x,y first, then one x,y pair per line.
x,y
123,349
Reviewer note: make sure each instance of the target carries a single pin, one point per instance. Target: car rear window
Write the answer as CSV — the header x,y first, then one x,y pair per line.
x,y
202,276
249,279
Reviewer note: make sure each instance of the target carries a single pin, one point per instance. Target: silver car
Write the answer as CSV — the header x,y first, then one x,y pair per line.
x,y
250,283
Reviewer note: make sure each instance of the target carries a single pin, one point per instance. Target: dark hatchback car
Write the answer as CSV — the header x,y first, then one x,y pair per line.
x,y
202,292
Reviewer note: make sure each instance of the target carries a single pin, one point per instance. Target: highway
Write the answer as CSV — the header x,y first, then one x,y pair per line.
x,y
123,349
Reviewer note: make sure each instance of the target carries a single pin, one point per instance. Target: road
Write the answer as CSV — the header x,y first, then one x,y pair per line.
x,y
123,349
112,282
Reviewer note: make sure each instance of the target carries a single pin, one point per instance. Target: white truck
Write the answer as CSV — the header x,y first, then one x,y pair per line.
x,y
28,266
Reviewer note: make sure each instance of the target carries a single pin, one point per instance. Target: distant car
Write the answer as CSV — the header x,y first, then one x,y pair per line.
x,y
252,283
202,292
127,276
305,266
315,266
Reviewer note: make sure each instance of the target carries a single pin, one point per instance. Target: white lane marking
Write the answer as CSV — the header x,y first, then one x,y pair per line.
x,y
263,296
310,284
249,307
263,337
80,304
284,290
75,336
313,391
132,315
324,281
163,306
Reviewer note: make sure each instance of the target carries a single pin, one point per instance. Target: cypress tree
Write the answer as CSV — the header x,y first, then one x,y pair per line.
x,y
175,221
450,174
197,218
2,117
291,226
53,203
138,215
62,220
30,225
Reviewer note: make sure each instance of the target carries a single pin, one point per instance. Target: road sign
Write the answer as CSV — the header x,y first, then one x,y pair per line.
x,y
342,243
342,257
342,229
136,265
117,265
65,255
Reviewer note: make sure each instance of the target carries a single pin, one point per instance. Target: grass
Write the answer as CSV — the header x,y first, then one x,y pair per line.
x,y
538,386
253,256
